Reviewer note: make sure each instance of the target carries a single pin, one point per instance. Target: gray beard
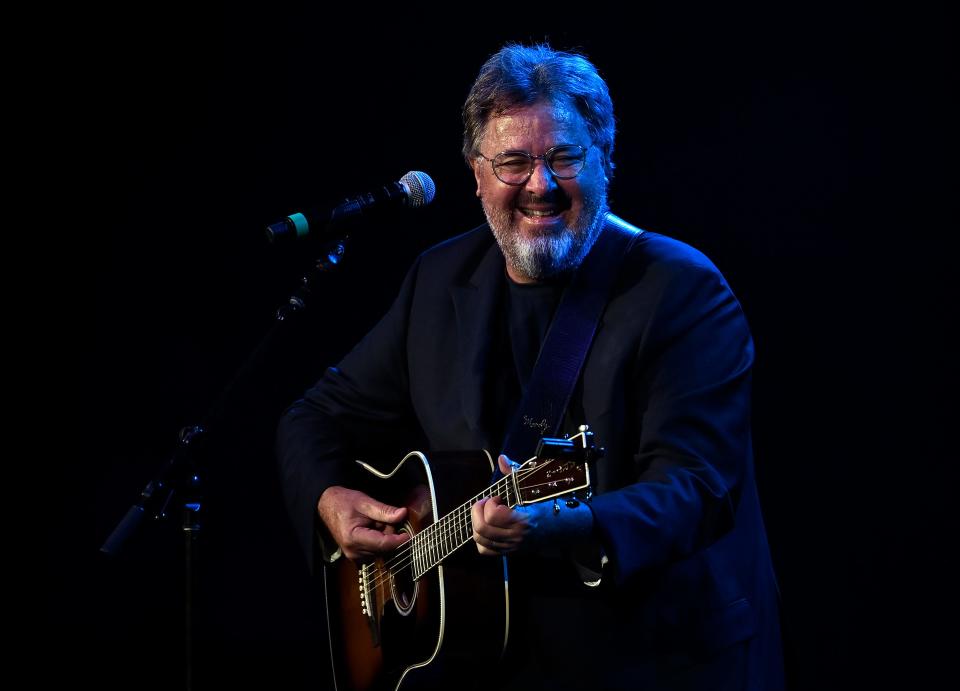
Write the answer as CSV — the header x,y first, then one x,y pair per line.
x,y
550,254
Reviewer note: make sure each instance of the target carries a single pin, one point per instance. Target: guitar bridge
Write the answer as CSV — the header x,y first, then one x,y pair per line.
x,y
365,579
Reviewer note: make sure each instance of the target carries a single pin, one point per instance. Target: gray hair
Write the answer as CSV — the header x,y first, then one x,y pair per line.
x,y
520,75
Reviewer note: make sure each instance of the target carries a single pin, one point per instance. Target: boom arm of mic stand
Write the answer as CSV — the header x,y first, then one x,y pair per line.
x,y
180,473
333,255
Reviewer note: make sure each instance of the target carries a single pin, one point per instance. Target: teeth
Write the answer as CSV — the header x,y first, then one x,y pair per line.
x,y
534,212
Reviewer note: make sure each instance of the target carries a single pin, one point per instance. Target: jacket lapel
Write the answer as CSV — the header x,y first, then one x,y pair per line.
x,y
475,304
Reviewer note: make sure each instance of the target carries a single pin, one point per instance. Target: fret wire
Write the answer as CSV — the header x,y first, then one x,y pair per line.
x,y
438,543
444,546
454,534
429,547
422,550
437,547
428,554
426,550
418,558
453,530
425,554
443,540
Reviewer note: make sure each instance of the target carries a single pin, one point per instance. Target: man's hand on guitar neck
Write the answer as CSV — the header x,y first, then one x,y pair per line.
x,y
361,525
550,528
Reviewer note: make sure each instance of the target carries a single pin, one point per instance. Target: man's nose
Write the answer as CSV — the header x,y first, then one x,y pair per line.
x,y
542,180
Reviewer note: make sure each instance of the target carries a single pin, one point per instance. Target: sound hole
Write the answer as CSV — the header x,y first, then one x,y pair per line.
x,y
401,583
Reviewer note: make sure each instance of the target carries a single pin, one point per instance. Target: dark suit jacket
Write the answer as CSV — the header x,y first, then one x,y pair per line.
x,y
688,595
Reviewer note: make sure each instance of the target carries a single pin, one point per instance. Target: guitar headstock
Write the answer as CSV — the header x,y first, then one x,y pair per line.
x,y
560,467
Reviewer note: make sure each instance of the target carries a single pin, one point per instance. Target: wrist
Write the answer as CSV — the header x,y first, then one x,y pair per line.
x,y
559,528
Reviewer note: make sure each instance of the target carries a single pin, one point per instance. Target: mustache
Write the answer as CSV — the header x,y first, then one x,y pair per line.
x,y
557,198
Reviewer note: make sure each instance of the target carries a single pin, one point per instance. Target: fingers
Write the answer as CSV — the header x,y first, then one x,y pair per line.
x,y
497,516
373,529
494,549
380,512
506,465
497,529
361,542
367,542
361,525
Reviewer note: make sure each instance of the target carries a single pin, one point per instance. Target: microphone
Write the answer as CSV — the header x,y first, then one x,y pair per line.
x,y
415,189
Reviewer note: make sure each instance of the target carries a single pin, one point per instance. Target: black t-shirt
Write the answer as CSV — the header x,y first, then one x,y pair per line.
x,y
527,309
530,309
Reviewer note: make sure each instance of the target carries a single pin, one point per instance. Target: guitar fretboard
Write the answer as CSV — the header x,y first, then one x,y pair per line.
x,y
437,542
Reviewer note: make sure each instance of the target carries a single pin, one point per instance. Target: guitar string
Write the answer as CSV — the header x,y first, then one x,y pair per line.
x,y
427,539
433,538
520,472
436,538
433,527
449,527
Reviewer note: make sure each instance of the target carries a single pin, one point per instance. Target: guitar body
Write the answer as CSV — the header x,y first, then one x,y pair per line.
x,y
388,631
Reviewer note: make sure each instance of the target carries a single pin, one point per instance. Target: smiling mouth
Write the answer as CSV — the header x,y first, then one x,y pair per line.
x,y
550,212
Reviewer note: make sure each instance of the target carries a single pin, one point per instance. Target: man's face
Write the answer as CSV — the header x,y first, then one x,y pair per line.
x,y
546,225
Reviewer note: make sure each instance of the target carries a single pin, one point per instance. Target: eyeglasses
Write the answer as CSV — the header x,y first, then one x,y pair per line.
x,y
515,167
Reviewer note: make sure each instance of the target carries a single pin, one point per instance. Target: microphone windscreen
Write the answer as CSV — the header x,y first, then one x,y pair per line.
x,y
420,186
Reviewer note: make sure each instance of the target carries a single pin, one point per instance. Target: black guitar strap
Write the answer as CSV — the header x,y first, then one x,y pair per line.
x,y
568,339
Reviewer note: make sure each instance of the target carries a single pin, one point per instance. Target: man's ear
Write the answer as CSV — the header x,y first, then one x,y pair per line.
x,y
476,173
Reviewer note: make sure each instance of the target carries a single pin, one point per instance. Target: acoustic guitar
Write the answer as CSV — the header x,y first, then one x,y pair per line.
x,y
417,617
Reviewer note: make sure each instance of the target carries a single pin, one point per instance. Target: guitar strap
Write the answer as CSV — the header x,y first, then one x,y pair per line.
x,y
568,339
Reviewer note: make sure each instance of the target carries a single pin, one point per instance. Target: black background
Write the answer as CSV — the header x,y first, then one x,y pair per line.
x,y
809,153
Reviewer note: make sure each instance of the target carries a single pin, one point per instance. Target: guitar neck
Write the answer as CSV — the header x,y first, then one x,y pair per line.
x,y
448,534
558,468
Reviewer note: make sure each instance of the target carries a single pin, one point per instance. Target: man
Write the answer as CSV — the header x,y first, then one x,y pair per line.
x,y
686,596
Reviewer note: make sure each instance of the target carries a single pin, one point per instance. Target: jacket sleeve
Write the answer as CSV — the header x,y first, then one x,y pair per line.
x,y
357,407
690,410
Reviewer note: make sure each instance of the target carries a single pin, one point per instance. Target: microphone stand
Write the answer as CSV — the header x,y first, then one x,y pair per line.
x,y
179,479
